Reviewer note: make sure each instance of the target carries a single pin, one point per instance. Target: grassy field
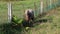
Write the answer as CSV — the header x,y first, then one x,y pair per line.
x,y
19,7
39,28
48,27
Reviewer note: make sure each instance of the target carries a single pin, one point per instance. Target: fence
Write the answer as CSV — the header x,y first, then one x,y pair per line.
x,y
18,8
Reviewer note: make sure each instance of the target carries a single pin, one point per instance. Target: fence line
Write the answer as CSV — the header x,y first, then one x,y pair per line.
x,y
35,6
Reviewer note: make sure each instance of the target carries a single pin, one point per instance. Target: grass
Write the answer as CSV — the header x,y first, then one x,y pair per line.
x,y
40,28
18,9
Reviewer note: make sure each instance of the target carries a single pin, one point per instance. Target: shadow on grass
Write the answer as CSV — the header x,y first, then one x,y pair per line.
x,y
45,20
42,21
10,29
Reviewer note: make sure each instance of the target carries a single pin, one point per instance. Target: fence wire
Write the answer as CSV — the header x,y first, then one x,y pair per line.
x,y
18,10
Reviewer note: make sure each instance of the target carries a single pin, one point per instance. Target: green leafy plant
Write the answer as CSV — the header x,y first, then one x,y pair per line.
x,y
16,20
20,21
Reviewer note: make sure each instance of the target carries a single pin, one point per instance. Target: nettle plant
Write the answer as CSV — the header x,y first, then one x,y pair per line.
x,y
17,20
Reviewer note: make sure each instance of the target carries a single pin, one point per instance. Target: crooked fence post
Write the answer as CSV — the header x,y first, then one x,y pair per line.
x,y
9,12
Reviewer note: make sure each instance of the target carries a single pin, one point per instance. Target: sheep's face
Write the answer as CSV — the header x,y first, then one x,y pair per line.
x,y
29,14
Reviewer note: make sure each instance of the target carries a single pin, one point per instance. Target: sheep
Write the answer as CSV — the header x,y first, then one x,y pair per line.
x,y
29,15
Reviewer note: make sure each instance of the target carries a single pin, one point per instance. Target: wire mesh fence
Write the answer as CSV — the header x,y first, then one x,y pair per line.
x,y
18,9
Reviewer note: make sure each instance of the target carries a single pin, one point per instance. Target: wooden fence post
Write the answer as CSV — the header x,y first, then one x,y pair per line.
x,y
9,12
41,7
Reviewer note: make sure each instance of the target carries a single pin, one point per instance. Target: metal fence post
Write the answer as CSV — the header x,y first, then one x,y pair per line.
x,y
9,12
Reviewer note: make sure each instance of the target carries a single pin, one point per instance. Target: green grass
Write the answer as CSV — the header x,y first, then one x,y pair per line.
x,y
17,9
48,27
41,28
